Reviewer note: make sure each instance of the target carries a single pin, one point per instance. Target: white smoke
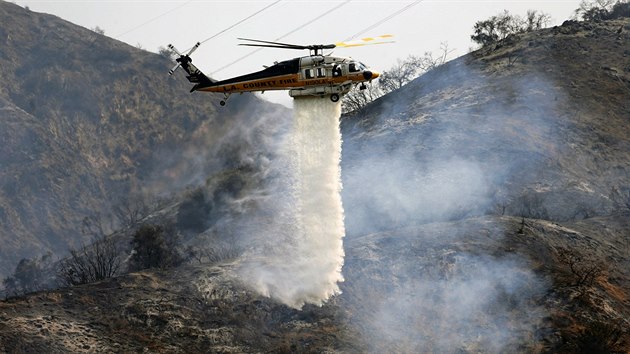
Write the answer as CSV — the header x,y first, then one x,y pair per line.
x,y
298,253
421,168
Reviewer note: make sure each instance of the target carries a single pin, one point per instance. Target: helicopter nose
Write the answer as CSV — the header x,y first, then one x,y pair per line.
x,y
375,74
370,75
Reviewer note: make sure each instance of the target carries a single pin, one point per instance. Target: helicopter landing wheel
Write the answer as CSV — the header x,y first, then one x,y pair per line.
x,y
334,97
222,103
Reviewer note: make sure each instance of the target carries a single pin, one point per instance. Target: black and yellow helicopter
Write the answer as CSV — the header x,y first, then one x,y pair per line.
x,y
313,75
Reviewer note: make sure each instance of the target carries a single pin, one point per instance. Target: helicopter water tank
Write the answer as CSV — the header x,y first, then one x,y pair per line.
x,y
312,60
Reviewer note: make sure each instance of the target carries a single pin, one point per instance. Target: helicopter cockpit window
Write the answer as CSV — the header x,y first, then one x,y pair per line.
x,y
321,72
308,73
353,67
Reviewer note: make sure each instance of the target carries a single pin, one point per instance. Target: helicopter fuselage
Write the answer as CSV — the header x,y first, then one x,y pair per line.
x,y
310,75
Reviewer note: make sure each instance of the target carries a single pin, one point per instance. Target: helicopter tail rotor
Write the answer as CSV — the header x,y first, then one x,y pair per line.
x,y
182,57
170,72
194,75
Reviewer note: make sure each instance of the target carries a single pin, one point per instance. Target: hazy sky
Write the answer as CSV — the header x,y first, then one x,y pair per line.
x,y
421,28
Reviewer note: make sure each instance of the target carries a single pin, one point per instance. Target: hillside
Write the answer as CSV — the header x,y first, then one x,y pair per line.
x,y
538,125
88,123
487,211
477,285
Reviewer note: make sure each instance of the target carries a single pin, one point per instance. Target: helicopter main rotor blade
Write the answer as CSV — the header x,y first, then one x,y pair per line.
x,y
351,45
384,39
272,46
276,43
269,44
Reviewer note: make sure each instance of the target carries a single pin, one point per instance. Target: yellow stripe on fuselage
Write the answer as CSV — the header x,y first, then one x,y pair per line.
x,y
283,82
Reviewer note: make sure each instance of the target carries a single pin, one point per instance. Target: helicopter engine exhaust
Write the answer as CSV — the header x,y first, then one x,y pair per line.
x,y
301,263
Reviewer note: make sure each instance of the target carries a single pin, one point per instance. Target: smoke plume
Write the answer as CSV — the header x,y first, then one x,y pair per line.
x,y
423,169
297,254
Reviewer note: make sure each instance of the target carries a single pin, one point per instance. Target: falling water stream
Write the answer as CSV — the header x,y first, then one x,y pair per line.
x,y
303,255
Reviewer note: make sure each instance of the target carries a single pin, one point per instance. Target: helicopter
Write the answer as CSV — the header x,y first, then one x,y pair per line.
x,y
313,75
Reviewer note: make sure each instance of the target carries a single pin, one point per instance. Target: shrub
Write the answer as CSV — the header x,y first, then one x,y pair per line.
x,y
98,30
619,10
529,205
165,52
194,212
30,275
153,247
131,210
394,78
357,99
501,26
597,10
597,337
98,261
584,270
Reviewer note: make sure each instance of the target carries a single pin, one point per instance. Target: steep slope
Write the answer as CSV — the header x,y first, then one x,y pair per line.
x,y
477,285
189,310
87,122
535,126
485,210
